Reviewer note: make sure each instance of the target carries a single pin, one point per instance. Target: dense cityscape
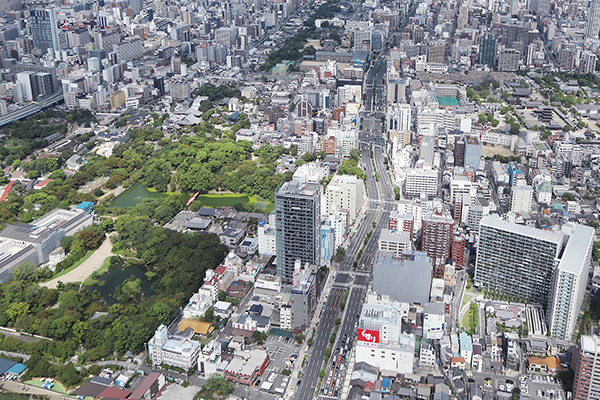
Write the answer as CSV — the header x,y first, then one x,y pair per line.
x,y
301,200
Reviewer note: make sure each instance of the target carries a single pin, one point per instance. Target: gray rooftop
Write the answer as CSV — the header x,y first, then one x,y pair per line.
x,y
404,280
574,257
495,221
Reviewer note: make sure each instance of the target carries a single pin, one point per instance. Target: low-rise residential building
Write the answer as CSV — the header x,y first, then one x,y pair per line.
x,y
246,367
394,241
210,358
433,321
175,350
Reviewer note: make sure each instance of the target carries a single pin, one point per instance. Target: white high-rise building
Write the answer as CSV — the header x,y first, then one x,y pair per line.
x,y
25,79
421,181
570,281
587,63
399,117
593,20
522,198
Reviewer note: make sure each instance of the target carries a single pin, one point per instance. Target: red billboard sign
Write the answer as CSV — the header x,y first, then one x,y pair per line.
x,y
368,337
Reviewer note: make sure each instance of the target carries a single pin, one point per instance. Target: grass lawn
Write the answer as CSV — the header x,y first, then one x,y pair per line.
x,y
58,387
77,264
93,279
222,200
268,205
466,322
13,396
466,298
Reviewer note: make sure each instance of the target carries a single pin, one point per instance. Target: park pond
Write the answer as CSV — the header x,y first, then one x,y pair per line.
x,y
136,193
115,276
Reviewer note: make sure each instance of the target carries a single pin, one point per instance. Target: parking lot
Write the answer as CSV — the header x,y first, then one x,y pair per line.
x,y
278,350
539,387
545,388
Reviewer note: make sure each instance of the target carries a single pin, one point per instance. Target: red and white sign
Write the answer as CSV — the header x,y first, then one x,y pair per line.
x,y
368,337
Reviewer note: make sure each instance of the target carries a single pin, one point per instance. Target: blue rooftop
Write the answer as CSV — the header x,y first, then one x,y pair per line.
x,y
386,383
86,206
466,344
17,369
5,365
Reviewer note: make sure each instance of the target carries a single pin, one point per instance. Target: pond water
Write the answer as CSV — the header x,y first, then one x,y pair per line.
x,y
134,195
115,276
137,192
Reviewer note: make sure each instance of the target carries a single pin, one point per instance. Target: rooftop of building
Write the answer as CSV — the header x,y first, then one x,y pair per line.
x,y
388,235
298,189
574,258
245,363
448,101
590,344
494,221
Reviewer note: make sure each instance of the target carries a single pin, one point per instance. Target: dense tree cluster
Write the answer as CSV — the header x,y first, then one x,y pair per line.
x,y
23,137
198,164
174,262
215,93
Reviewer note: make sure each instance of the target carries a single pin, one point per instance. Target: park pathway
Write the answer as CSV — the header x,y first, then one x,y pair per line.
x,y
86,268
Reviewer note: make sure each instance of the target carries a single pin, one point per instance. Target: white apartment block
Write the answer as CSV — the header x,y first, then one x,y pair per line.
x,y
349,143
428,119
427,356
345,192
570,282
267,245
310,173
395,242
460,185
411,207
339,228
522,199
420,181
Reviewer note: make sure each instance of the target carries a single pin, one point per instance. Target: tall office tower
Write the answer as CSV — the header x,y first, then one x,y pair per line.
x,y
362,40
297,216
586,363
543,7
472,151
587,63
10,5
460,253
436,238
566,56
531,50
436,52
508,60
225,36
593,20
44,29
522,199
488,49
399,117
459,151
136,5
570,281
515,259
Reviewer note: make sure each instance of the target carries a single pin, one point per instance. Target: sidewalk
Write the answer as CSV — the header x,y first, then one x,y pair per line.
x,y
16,387
86,268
